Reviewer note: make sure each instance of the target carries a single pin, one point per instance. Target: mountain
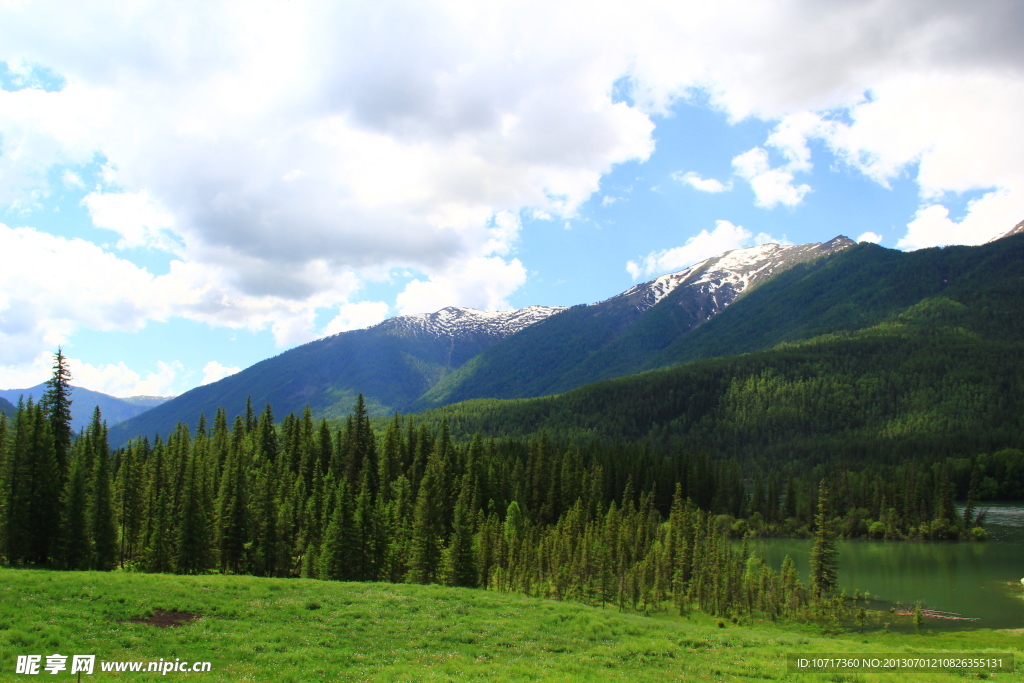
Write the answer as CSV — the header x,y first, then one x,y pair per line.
x,y
1015,230
6,406
146,402
872,354
741,302
413,362
624,334
84,401
391,364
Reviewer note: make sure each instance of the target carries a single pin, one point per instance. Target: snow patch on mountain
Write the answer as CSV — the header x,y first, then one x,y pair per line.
x,y
727,276
1015,230
455,321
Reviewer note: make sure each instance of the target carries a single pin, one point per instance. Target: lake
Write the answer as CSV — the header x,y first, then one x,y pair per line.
x,y
979,580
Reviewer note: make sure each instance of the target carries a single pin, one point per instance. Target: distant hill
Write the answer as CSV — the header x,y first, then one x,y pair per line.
x,y
84,401
6,406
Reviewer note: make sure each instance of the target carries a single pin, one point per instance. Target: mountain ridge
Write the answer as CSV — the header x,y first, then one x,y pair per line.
x,y
614,337
738,302
397,363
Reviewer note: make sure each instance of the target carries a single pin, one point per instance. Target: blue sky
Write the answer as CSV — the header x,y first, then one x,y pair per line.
x,y
186,189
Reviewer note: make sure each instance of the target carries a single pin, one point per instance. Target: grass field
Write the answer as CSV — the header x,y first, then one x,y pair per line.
x,y
282,630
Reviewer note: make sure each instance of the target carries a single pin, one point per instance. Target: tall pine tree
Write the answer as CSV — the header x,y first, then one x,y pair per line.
x,y
824,557
101,514
56,403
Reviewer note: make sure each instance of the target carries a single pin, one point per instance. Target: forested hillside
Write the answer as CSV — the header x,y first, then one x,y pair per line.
x,y
923,383
853,289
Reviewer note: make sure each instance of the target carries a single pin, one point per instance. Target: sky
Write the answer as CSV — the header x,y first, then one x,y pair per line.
x,y
188,188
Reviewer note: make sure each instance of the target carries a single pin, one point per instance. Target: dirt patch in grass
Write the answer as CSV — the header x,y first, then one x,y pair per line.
x,y
165,619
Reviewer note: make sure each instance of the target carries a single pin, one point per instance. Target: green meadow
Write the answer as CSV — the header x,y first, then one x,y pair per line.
x,y
291,630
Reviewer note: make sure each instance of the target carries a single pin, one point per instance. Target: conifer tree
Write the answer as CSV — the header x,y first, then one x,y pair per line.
x,y
74,545
220,446
44,488
427,528
5,483
365,558
250,416
311,529
128,498
824,562
158,553
56,403
263,520
193,526
232,528
17,519
459,563
333,560
101,514
390,463
400,525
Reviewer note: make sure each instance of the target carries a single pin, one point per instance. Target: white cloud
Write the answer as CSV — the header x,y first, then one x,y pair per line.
x,y
72,179
703,184
28,373
771,186
870,237
481,283
140,219
357,316
120,380
115,379
294,147
363,135
701,246
43,130
214,371
52,286
987,217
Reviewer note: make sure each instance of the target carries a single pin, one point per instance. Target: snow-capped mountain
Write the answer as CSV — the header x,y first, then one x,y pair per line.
x,y
453,321
415,361
1015,230
722,279
623,334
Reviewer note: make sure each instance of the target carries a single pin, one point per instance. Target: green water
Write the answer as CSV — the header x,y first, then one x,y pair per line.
x,y
979,580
